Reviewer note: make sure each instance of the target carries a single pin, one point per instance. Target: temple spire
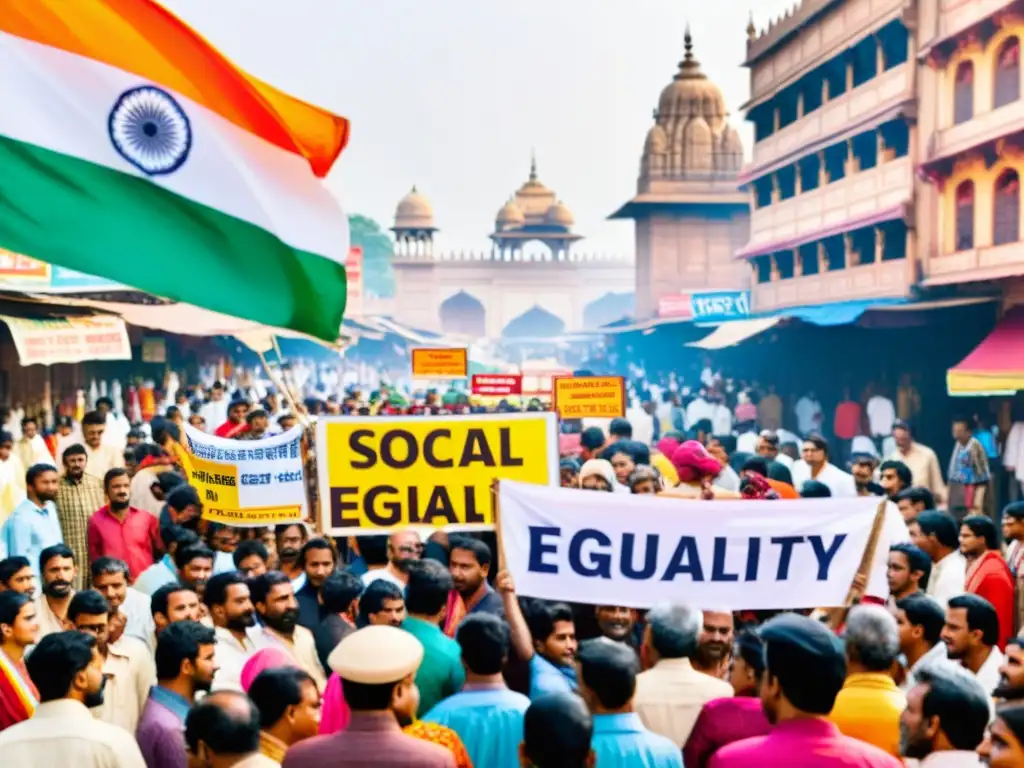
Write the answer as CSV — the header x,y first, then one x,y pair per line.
x,y
533,164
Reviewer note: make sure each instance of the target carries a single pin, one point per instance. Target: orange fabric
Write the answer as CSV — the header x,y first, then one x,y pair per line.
x,y
443,736
145,39
785,490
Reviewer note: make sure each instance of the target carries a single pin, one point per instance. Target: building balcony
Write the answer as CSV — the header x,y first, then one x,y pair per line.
x,y
992,262
856,197
986,127
852,112
885,279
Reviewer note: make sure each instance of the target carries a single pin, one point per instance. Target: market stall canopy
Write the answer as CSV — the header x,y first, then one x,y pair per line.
x,y
735,331
996,365
46,341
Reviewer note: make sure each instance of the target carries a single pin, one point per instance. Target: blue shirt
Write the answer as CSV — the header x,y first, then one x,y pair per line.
x,y
621,741
546,678
488,720
158,574
31,529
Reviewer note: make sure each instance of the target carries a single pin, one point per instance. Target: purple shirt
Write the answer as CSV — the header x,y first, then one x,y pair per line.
x,y
811,743
722,722
161,731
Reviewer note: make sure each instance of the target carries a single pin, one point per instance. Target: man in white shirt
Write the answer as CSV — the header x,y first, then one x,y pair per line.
x,y
230,604
881,415
721,416
698,409
938,535
808,414
215,410
971,635
920,620
815,466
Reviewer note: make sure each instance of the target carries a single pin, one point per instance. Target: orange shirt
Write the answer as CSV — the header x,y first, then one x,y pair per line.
x,y
442,736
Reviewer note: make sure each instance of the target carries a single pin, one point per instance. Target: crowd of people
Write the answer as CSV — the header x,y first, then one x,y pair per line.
x,y
133,632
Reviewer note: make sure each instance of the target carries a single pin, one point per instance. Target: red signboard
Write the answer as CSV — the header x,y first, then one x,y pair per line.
x,y
354,275
497,385
675,305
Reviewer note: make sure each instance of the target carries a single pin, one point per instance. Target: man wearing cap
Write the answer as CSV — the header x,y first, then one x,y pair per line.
x,y
805,668
376,665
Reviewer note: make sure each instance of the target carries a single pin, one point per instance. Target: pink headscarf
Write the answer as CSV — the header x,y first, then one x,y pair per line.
x,y
335,714
268,658
667,446
693,462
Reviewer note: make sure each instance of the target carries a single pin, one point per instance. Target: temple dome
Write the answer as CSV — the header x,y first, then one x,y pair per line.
x,y
657,141
559,215
691,93
414,211
509,216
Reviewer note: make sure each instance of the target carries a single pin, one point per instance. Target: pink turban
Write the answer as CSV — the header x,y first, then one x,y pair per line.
x,y
268,658
667,446
693,462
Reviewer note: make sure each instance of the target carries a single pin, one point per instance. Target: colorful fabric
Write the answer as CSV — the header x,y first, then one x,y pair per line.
x,y
969,464
444,737
18,695
456,612
989,577
722,722
868,708
76,503
334,712
693,462
122,125
133,539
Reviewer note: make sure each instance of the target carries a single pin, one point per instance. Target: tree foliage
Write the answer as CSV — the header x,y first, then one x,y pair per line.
x,y
378,274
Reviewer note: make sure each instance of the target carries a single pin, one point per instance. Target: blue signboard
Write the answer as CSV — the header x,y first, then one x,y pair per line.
x,y
719,306
65,279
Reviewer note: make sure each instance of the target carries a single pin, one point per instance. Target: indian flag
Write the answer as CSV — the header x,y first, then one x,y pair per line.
x,y
132,150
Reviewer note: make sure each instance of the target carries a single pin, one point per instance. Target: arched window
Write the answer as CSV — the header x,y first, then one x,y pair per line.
x,y
963,93
965,216
1006,211
1007,76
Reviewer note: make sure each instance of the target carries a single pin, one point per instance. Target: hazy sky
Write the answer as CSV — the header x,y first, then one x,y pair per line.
x,y
451,95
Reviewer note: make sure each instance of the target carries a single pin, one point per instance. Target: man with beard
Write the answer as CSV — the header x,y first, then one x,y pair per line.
x,y
945,719
79,495
805,668
318,562
895,477
57,564
289,538
715,646
33,525
122,531
340,595
230,605
185,664
908,571
862,467
16,575
1011,674
404,548
971,635
381,604
67,668
618,623
470,563
127,664
274,598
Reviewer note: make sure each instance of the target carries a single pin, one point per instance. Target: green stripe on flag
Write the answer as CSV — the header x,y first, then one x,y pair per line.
x,y
72,213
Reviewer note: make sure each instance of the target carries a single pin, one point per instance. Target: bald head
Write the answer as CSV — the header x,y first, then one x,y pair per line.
x,y
404,547
223,724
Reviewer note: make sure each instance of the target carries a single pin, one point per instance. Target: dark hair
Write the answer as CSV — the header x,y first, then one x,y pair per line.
x,y
56,660
168,481
818,442
373,597
260,586
339,590
11,603
254,414
982,526
317,543
35,471
10,566
959,702
1014,719
165,428
779,471
980,615
557,730
918,495
29,420
904,425
621,428
274,690
367,697
161,597
283,528
75,449
102,566
755,464
94,419
112,474
216,591
609,669
225,730
88,601
748,646
542,618
480,551
807,660
591,438
917,560
247,548
902,471
962,419
427,591
185,555
942,525
57,550
183,496
814,489
180,641
374,549
923,611
1016,511
484,640
179,536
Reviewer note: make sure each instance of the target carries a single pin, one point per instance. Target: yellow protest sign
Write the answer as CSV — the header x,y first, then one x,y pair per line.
x,y
377,473
428,363
589,397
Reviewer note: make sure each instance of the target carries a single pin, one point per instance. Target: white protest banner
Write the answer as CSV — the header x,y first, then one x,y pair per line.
x,y
248,482
635,551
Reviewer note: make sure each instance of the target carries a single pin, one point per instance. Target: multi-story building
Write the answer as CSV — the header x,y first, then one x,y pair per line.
x,y
832,175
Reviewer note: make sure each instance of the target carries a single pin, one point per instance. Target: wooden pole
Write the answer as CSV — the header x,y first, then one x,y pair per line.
x,y
496,514
863,575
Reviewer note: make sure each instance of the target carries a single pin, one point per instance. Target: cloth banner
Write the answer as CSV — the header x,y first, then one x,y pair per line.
x,y
636,551
382,472
69,339
248,482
